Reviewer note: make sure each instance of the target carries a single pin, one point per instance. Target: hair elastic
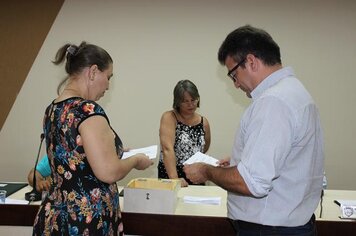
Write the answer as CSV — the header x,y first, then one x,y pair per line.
x,y
71,50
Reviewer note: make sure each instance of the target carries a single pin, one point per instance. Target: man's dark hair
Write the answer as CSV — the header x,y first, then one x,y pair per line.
x,y
250,40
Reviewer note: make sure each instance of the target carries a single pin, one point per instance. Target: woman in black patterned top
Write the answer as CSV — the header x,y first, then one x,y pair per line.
x,y
84,152
183,132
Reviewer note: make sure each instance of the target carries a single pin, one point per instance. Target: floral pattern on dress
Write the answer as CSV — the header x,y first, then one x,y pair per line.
x,y
78,203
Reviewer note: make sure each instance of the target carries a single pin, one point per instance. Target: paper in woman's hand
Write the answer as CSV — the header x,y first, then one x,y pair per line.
x,y
150,151
201,157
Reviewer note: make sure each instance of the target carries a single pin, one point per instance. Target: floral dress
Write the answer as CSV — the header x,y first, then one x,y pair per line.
x,y
188,141
78,203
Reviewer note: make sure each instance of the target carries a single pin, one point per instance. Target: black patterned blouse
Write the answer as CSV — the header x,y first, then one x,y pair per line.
x,y
188,141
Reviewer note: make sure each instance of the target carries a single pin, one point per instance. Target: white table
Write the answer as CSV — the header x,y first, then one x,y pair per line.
x,y
193,218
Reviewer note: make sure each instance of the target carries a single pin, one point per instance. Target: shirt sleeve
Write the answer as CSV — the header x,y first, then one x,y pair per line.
x,y
43,167
88,109
267,136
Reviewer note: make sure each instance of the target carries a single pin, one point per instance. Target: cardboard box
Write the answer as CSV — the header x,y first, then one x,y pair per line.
x,y
149,195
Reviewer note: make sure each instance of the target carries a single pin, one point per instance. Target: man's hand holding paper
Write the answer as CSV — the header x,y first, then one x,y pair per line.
x,y
194,165
201,157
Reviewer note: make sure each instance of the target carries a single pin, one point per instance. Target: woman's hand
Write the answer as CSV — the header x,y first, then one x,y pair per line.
x,y
143,161
43,184
183,182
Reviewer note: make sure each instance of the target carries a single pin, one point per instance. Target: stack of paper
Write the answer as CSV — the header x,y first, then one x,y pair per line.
x,y
202,200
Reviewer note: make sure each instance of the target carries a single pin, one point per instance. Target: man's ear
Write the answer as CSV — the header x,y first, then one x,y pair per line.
x,y
252,62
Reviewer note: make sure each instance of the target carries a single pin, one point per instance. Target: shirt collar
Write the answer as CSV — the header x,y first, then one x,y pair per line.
x,y
271,80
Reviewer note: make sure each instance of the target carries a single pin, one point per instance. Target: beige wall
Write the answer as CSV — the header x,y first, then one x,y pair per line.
x,y
156,44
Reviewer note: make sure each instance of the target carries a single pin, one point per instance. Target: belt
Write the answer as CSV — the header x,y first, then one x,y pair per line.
x,y
240,224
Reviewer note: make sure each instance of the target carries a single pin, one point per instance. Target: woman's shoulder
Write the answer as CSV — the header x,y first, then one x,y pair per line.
x,y
169,114
89,105
86,108
86,101
169,117
204,119
205,123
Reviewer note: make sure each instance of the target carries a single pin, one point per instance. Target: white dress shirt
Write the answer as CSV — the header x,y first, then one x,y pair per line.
x,y
279,152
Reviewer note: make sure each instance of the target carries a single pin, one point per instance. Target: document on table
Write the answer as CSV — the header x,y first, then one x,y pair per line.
x,y
12,187
150,151
15,201
202,200
201,157
345,202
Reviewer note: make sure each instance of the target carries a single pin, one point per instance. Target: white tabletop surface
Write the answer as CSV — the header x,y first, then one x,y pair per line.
x,y
331,211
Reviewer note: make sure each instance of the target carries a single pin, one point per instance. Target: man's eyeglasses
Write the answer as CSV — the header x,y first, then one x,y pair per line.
x,y
231,73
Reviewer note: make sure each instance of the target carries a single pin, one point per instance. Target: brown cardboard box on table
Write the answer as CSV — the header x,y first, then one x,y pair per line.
x,y
150,195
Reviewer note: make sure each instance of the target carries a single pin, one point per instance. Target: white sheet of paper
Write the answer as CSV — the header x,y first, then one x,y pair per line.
x,y
150,151
15,201
346,202
201,157
202,200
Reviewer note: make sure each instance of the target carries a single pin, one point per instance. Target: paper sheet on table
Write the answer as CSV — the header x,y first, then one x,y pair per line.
x,y
345,202
150,151
201,157
15,201
202,200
